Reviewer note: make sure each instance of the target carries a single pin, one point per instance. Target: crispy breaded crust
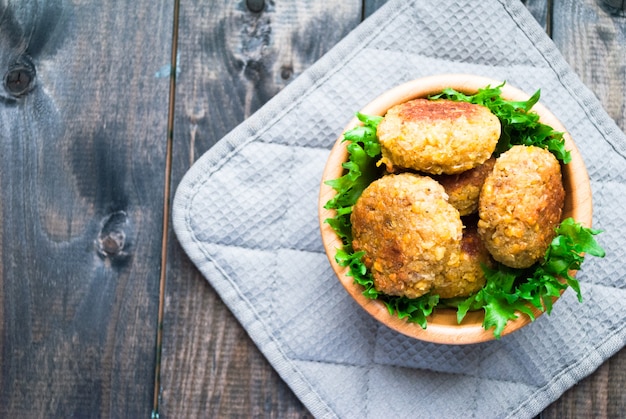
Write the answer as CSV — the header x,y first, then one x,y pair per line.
x,y
520,205
409,232
437,136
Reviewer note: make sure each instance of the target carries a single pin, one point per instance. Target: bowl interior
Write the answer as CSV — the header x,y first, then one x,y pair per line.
x,y
442,324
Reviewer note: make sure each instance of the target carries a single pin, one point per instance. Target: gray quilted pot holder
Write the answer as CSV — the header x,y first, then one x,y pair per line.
x,y
246,214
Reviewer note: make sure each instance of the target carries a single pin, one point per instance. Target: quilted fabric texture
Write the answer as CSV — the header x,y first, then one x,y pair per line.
x,y
246,214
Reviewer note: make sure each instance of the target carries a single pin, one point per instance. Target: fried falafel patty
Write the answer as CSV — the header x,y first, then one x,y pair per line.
x,y
409,232
437,136
463,189
520,205
466,277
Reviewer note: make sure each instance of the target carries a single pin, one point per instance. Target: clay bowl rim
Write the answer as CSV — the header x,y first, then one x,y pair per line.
x,y
442,325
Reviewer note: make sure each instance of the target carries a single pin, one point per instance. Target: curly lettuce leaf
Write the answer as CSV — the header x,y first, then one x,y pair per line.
x,y
415,310
360,170
508,290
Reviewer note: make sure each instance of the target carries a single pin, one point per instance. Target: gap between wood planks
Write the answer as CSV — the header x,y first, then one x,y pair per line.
x,y
549,18
166,210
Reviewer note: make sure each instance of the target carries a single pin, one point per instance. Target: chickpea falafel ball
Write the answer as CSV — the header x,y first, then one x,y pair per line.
x,y
466,277
437,136
409,232
463,189
520,205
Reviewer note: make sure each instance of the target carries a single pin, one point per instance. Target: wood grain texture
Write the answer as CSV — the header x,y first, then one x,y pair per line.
x,y
541,11
81,169
232,61
592,38
370,6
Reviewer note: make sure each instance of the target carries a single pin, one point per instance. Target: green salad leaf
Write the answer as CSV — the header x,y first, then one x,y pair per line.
x,y
507,291
360,171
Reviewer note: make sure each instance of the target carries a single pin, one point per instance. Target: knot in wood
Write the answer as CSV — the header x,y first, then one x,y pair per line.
x,y
111,241
286,72
255,6
20,77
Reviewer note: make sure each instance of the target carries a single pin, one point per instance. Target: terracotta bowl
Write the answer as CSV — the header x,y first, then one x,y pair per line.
x,y
442,324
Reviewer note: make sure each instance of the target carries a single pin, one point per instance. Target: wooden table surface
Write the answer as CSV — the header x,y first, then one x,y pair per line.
x,y
101,312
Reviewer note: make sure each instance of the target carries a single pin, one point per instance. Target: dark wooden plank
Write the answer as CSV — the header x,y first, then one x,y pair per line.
x,y
81,174
232,60
370,6
541,10
592,37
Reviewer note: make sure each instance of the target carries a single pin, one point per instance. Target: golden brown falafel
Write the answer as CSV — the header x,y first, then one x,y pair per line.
x,y
466,277
520,205
463,189
409,232
437,136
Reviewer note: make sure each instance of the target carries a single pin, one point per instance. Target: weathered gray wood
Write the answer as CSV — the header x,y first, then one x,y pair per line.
x,y
541,11
592,37
616,4
232,60
81,181
370,6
